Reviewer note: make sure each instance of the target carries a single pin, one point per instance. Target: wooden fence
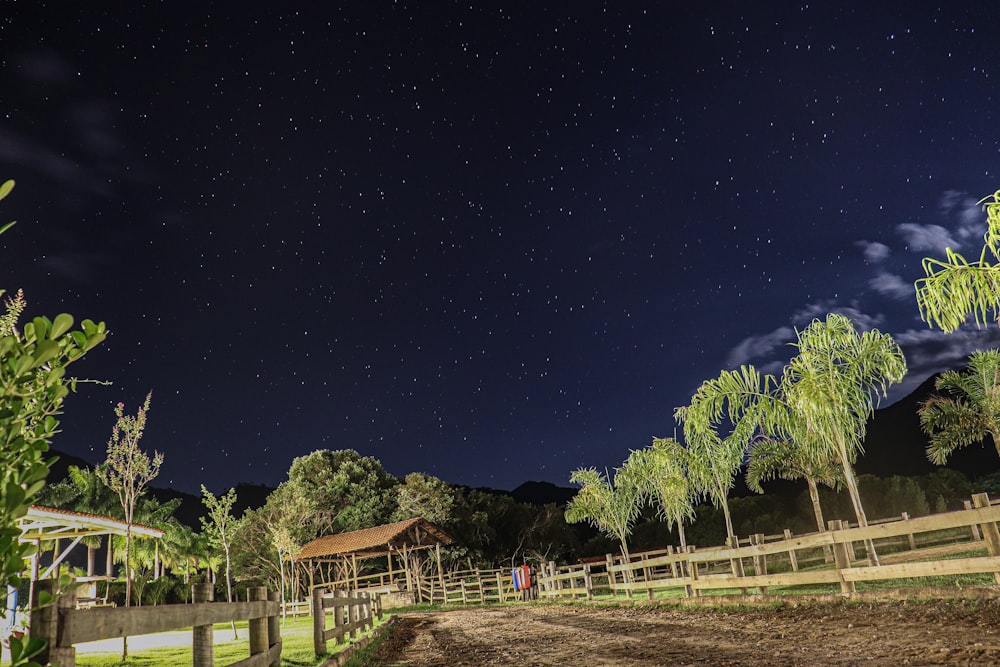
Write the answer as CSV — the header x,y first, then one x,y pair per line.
x,y
62,626
699,570
352,613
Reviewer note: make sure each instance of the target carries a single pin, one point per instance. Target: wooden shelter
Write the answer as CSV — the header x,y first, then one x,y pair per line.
x,y
401,539
43,524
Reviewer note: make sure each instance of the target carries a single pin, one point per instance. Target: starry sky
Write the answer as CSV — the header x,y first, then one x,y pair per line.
x,y
492,242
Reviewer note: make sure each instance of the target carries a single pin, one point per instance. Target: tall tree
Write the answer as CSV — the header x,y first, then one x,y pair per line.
x,y
833,385
219,527
127,471
735,403
966,410
610,505
781,458
424,496
956,289
660,472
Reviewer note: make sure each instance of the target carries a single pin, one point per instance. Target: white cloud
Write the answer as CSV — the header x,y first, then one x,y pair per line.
x,y
929,351
813,311
966,213
755,348
873,250
920,238
892,286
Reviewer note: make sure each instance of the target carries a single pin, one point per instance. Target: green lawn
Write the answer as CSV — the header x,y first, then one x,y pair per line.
x,y
296,651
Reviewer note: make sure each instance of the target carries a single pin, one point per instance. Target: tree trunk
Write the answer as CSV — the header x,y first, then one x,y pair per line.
x,y
818,513
859,510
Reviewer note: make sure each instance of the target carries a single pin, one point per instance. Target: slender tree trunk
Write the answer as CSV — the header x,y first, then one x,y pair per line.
x,y
859,510
681,536
818,513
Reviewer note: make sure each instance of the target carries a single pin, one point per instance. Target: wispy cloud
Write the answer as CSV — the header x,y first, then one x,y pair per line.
x,y
821,309
755,349
873,251
892,286
965,213
930,351
920,238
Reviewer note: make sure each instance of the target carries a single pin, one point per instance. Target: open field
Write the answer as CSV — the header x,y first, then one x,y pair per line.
x,y
840,634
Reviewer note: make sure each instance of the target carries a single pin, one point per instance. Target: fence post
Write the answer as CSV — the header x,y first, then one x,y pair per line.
x,y
588,581
913,540
989,530
975,527
45,622
792,558
319,621
258,626
273,628
841,557
692,573
202,651
612,577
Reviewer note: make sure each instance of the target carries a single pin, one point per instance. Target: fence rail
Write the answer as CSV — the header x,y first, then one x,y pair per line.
x,y
700,570
63,626
352,613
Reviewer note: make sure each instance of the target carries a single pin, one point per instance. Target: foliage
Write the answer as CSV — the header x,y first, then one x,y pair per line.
x,y
739,403
33,385
127,472
219,526
422,495
955,289
610,505
343,491
966,409
660,473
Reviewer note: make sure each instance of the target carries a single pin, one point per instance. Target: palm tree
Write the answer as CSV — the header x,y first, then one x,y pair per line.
x,y
611,506
733,402
660,473
778,458
968,408
955,289
831,388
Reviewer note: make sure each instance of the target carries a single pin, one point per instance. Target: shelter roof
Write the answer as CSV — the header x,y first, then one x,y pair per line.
x,y
416,533
49,523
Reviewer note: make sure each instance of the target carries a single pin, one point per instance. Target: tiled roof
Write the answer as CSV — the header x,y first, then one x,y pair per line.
x,y
375,541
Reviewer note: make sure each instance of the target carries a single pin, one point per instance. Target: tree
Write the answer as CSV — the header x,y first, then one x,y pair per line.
x,y
831,388
219,527
424,496
611,506
956,289
343,490
778,458
966,409
33,385
660,472
737,402
127,472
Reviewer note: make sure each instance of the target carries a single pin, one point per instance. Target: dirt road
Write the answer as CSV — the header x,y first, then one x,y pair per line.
x,y
837,634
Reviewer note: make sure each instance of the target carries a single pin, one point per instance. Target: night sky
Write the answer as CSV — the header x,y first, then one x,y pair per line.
x,y
489,242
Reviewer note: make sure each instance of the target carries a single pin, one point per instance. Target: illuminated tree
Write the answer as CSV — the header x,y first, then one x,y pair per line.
x,y
33,385
966,410
660,472
611,506
127,471
956,289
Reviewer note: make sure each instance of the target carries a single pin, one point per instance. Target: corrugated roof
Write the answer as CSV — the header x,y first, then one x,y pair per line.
x,y
411,533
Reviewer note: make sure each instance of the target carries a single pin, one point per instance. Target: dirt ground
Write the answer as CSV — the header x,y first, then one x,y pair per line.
x,y
866,633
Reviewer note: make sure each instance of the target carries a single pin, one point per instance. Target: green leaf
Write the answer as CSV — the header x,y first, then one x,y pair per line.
x,y
46,350
7,226
62,324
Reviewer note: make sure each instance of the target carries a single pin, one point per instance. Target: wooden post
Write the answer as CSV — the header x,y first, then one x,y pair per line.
x,y
588,581
340,614
759,561
692,572
319,621
792,558
612,577
258,626
841,557
202,651
975,527
913,541
274,627
45,625
437,554
989,530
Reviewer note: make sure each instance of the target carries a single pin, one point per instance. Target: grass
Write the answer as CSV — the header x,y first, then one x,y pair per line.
x,y
296,651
